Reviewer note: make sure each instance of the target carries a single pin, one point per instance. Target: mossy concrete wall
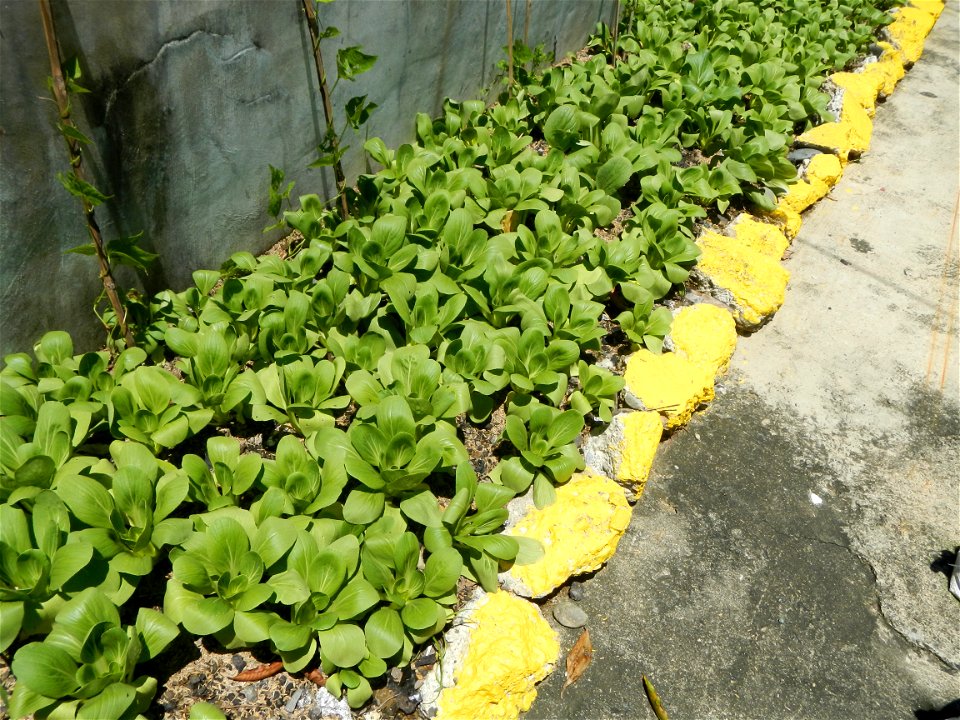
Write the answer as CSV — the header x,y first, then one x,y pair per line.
x,y
190,101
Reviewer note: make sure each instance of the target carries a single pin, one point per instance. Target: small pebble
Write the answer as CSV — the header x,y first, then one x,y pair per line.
x,y
569,615
408,705
576,591
193,682
292,702
238,662
801,154
250,693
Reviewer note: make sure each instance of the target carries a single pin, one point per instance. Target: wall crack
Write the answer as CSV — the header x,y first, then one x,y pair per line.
x,y
175,42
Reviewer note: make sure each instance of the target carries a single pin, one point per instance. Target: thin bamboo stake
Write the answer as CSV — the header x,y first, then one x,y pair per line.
x,y
314,25
526,23
509,44
616,29
76,163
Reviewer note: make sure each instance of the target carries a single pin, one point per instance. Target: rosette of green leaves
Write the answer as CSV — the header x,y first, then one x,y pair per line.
x,y
597,394
301,392
326,598
426,320
85,667
217,585
81,382
580,204
224,476
358,351
210,360
411,373
288,331
150,406
549,241
244,297
470,525
509,190
543,436
126,514
38,559
536,363
296,483
461,247
381,250
571,318
33,463
505,291
417,600
476,361
391,455
643,324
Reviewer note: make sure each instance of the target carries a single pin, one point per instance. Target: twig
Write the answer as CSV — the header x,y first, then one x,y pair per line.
x,y
76,160
314,25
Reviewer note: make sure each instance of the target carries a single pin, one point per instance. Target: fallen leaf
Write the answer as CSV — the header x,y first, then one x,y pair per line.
x,y
259,673
316,677
578,659
654,699
510,221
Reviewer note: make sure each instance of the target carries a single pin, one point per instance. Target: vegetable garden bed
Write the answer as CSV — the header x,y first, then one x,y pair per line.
x,y
308,458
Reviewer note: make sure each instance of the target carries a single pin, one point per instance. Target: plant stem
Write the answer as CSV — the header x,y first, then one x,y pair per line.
x,y
314,25
76,160
509,44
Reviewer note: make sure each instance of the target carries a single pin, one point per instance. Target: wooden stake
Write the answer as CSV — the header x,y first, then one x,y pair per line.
x,y
76,163
509,44
314,26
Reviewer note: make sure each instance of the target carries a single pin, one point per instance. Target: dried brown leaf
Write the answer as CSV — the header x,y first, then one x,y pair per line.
x,y
510,221
317,677
259,673
578,659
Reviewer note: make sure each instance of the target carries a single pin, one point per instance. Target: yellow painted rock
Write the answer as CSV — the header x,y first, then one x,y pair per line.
x,y
762,237
848,138
931,7
788,220
706,335
861,88
670,384
625,450
579,533
803,194
497,651
909,29
825,168
751,284
822,173
888,69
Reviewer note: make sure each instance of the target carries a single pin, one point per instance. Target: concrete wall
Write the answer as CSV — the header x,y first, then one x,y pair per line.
x,y
191,100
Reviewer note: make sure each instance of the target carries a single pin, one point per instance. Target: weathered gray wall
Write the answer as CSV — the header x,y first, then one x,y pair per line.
x,y
191,100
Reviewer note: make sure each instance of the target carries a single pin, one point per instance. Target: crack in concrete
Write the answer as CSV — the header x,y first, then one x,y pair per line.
x,y
916,643
175,42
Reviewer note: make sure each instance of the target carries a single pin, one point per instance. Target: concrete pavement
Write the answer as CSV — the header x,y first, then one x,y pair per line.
x,y
785,560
